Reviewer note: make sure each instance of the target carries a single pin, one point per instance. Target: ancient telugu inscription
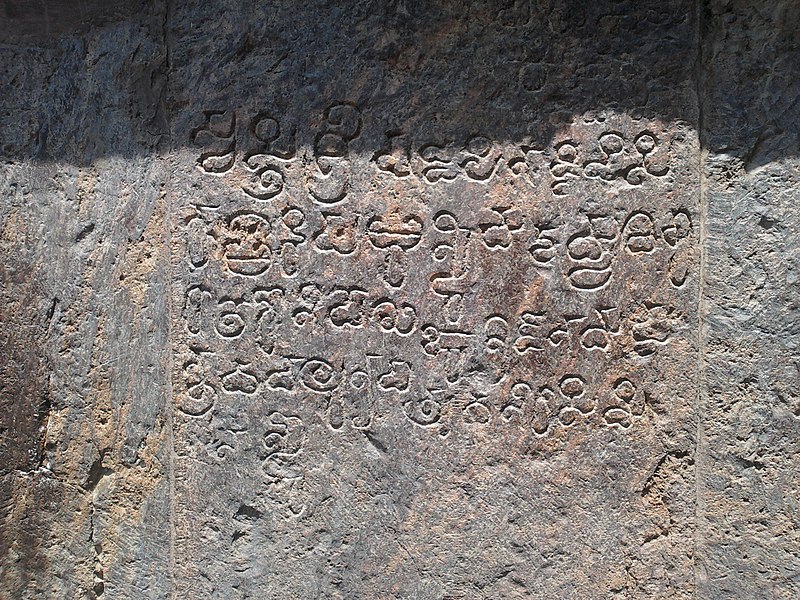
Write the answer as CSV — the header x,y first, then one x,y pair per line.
x,y
434,288
508,288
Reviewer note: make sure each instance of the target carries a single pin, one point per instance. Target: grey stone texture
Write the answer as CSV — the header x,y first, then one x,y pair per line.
x,y
399,299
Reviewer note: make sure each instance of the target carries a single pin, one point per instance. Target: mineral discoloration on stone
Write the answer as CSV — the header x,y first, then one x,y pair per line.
x,y
398,300
394,352
426,356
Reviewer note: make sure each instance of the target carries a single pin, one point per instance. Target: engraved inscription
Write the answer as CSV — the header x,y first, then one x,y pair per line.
x,y
434,284
440,289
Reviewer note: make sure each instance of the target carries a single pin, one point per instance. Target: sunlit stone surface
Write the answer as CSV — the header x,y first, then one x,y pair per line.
x,y
399,300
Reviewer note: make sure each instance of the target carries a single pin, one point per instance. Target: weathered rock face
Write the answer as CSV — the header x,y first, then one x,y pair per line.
x,y
748,473
390,300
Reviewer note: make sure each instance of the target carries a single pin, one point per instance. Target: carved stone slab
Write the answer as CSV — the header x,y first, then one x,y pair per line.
x,y
437,300
428,356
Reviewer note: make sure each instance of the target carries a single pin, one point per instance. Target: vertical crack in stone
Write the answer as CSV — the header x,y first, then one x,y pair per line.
x,y
699,74
167,67
169,409
167,233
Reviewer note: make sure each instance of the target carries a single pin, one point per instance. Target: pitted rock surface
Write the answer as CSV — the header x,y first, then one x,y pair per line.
x,y
399,300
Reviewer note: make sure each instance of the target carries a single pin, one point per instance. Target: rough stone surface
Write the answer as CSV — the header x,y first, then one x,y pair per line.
x,y
399,300
748,536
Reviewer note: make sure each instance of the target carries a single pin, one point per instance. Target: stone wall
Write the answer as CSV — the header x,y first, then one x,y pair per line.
x,y
399,299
